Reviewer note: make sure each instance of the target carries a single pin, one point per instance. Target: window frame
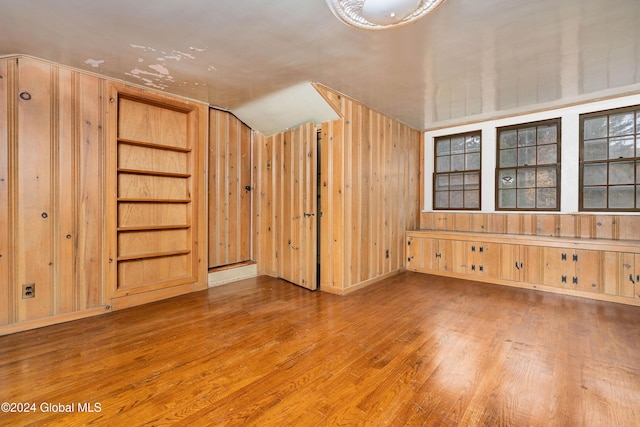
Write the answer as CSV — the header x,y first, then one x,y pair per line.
x,y
435,175
608,161
557,165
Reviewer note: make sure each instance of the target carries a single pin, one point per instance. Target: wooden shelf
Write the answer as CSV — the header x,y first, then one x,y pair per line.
x,y
154,173
155,228
154,200
153,255
154,145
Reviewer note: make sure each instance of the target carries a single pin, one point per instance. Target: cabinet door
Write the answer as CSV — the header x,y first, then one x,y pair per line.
x,y
530,264
629,275
587,271
444,255
510,263
480,259
555,267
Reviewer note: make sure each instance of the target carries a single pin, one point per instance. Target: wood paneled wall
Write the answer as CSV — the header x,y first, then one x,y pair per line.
x,y
370,178
286,180
51,191
229,200
580,226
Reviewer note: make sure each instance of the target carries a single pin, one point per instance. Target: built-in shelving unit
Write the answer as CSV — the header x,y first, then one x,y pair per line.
x,y
154,166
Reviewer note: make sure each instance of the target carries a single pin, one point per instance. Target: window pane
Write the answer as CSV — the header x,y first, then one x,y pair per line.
x,y
638,121
442,182
471,181
442,199
507,178
621,124
507,199
527,199
472,161
547,154
457,145
526,178
456,181
527,156
472,199
508,158
457,199
442,164
546,198
508,139
546,177
473,143
621,173
457,162
443,146
547,134
638,195
526,137
595,174
595,149
595,197
622,197
620,148
595,127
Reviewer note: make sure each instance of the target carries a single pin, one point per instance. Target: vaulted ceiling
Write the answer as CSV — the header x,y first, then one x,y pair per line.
x,y
469,60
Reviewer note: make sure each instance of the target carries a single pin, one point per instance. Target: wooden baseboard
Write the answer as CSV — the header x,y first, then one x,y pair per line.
x,y
48,321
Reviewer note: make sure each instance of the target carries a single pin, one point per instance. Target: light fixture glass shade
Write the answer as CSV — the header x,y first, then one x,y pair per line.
x,y
385,12
381,14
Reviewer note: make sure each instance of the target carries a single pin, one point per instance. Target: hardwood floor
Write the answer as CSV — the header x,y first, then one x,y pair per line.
x,y
412,350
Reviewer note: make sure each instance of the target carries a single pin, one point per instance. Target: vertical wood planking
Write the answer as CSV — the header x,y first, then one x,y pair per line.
x,y
34,213
229,203
6,153
66,164
379,162
265,202
90,233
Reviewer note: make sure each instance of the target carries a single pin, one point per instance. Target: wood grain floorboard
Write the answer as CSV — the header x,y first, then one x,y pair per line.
x,y
413,350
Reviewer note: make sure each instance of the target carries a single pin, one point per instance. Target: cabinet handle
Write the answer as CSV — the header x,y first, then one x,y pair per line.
x,y
631,279
517,268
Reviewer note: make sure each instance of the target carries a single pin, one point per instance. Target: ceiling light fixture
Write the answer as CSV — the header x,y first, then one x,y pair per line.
x,y
381,14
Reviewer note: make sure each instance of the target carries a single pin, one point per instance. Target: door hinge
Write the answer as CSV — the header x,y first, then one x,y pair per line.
x,y
575,280
564,279
564,256
575,257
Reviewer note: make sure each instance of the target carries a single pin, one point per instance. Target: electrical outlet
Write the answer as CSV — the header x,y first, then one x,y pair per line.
x,y
28,290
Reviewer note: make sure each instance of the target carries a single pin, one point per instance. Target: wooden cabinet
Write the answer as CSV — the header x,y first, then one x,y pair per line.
x,y
519,263
599,269
480,259
428,255
629,275
572,269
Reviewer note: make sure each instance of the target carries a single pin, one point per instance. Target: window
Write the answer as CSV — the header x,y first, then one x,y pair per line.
x,y
456,181
528,167
610,160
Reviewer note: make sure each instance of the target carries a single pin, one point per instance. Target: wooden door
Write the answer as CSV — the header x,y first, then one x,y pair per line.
x,y
229,189
297,205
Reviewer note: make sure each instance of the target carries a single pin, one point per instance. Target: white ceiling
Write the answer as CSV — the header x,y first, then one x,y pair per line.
x,y
469,60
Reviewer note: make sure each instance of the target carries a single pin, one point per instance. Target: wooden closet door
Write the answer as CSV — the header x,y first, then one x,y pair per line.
x,y
229,198
297,241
